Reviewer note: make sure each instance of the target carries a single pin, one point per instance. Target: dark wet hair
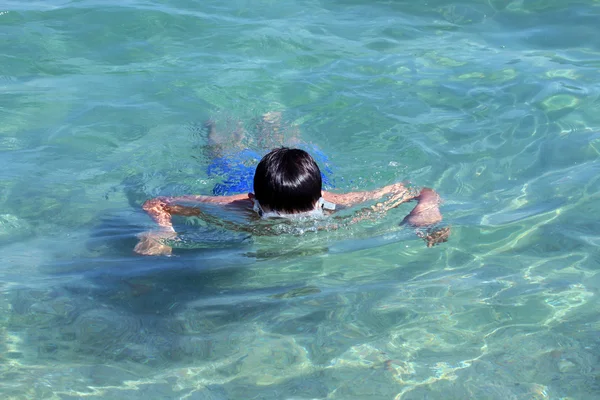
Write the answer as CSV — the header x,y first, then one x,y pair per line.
x,y
287,180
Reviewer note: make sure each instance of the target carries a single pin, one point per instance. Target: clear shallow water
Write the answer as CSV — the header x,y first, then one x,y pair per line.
x,y
493,103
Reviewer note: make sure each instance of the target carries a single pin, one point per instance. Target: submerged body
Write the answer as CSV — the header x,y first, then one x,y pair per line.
x,y
287,183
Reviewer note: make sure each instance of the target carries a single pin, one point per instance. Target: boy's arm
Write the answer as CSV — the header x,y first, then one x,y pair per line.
x,y
161,210
396,191
212,199
425,213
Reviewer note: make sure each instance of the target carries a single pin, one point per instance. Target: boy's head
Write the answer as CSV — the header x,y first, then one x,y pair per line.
x,y
287,180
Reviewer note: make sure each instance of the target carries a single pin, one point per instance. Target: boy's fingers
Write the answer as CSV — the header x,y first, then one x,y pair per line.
x,y
438,236
153,250
151,245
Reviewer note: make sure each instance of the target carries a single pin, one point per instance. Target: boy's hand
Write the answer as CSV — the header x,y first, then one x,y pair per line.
x,y
153,243
436,236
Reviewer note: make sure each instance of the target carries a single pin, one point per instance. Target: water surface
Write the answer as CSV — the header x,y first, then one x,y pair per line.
x,y
492,103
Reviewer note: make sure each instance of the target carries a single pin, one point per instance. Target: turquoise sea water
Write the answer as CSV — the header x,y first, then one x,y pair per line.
x,y
493,103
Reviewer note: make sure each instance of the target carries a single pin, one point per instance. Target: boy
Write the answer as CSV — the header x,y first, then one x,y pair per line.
x,y
287,184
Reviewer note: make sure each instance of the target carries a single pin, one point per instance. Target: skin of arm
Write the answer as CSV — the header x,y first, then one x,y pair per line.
x,y
426,212
354,198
